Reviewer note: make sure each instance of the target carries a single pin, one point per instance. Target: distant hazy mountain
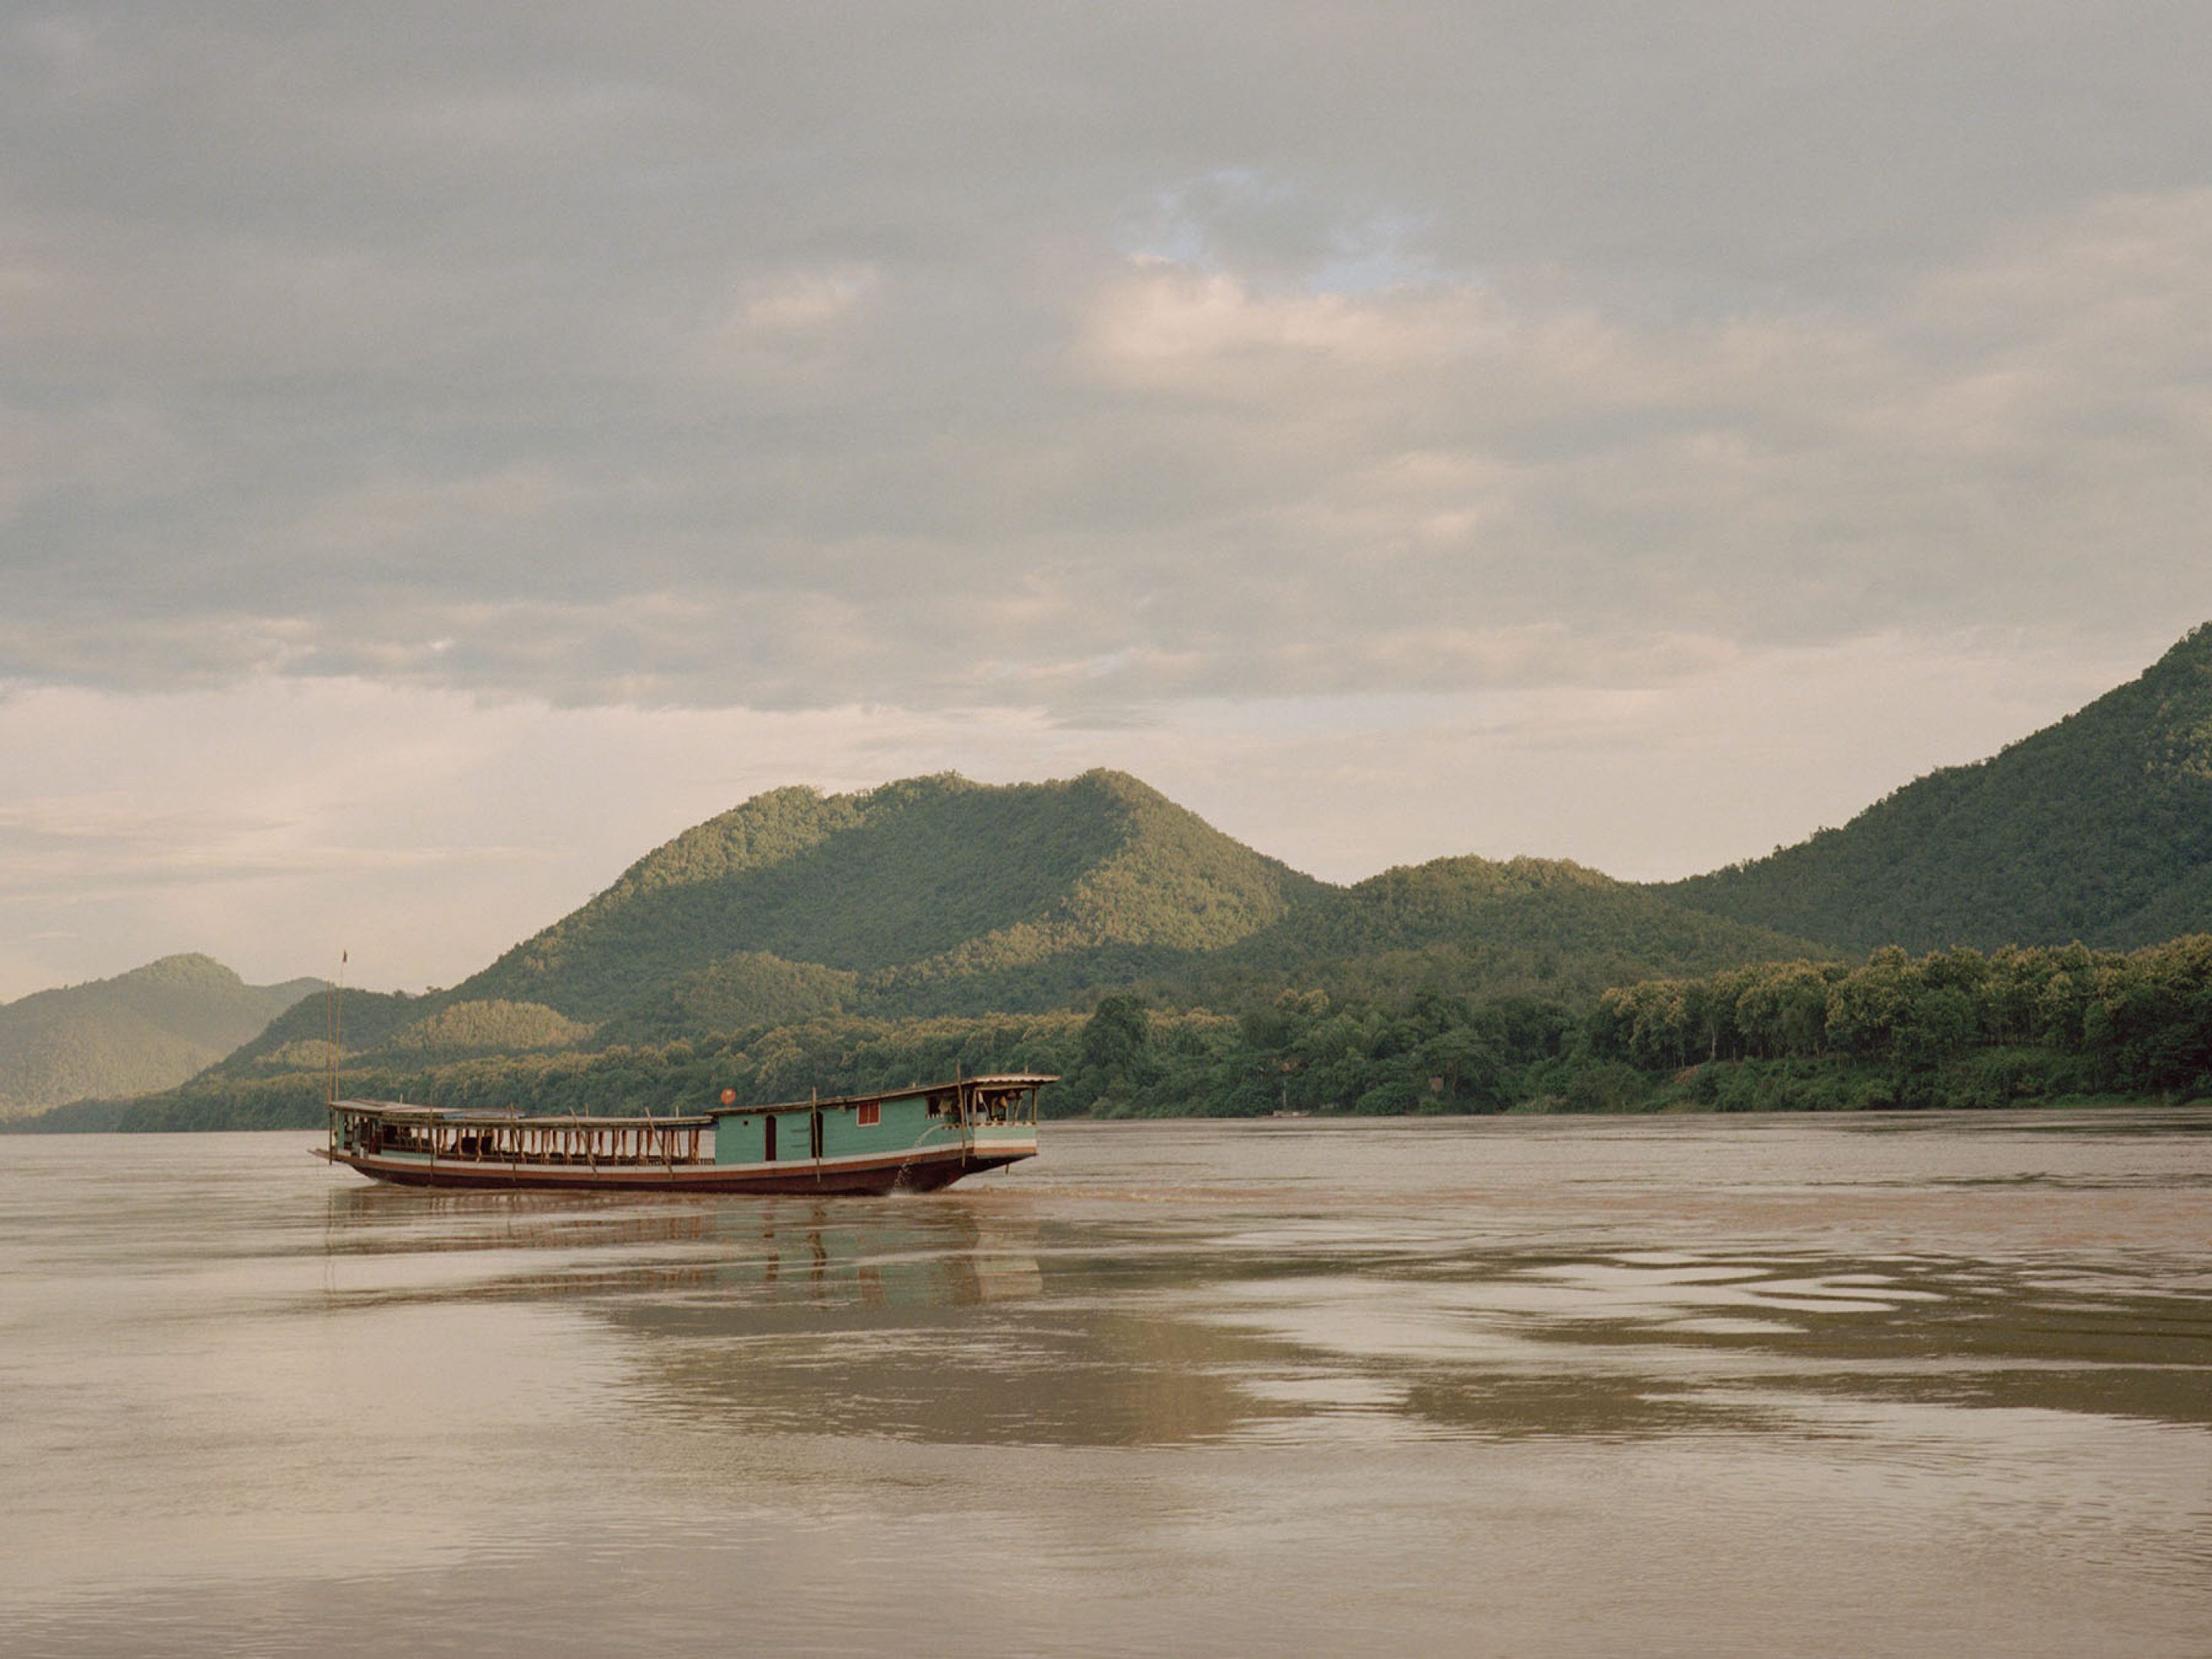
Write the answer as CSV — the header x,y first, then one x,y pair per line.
x,y
2098,829
140,1031
827,914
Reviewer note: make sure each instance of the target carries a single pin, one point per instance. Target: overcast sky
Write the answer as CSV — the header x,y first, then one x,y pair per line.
x,y
446,449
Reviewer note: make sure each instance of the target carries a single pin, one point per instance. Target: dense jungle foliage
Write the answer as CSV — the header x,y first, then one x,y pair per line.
x,y
1470,927
2097,829
1093,928
920,888
1081,888
1956,1028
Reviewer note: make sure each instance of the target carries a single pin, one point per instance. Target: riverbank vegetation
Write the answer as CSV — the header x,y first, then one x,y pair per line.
x,y
2099,828
1954,1028
1094,928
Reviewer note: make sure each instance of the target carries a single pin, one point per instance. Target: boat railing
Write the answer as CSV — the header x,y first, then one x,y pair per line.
x,y
520,1142
966,1106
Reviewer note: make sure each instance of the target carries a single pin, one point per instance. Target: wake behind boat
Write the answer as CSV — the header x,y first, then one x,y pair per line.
x,y
920,1138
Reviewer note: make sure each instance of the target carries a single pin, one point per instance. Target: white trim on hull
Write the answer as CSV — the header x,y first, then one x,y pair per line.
x,y
924,1169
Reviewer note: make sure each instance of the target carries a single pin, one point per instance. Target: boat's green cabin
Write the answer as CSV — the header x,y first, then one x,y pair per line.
x,y
988,1117
977,1113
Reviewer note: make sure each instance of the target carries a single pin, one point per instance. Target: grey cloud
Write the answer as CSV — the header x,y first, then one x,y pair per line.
x,y
1080,360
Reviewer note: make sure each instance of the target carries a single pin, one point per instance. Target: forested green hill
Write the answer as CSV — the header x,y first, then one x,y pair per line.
x,y
934,893
938,897
1093,927
749,988
298,1038
1951,1030
140,1031
2098,829
1479,926
409,1030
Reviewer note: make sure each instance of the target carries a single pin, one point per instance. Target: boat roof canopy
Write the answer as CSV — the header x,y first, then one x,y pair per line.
x,y
990,1081
401,1109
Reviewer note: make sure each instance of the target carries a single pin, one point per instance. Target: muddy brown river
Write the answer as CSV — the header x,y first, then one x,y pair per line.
x,y
1901,1385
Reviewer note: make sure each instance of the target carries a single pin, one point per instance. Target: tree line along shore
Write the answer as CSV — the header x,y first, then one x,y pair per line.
x,y
1913,957
1957,1030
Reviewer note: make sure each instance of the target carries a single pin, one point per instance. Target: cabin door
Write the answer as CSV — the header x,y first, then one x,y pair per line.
x,y
767,1138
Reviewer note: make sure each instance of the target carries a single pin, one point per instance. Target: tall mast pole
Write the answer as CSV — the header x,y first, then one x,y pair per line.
x,y
337,1024
333,1006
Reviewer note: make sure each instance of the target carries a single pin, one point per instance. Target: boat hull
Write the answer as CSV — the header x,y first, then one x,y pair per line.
x,y
920,1138
926,1171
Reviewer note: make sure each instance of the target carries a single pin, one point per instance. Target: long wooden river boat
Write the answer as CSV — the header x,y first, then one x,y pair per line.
x,y
920,1138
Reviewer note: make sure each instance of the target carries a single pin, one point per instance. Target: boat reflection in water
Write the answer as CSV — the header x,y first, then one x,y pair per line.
x,y
868,1316
1545,1386
823,1253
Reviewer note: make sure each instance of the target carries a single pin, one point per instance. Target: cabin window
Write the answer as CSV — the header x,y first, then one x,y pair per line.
x,y
870,1114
